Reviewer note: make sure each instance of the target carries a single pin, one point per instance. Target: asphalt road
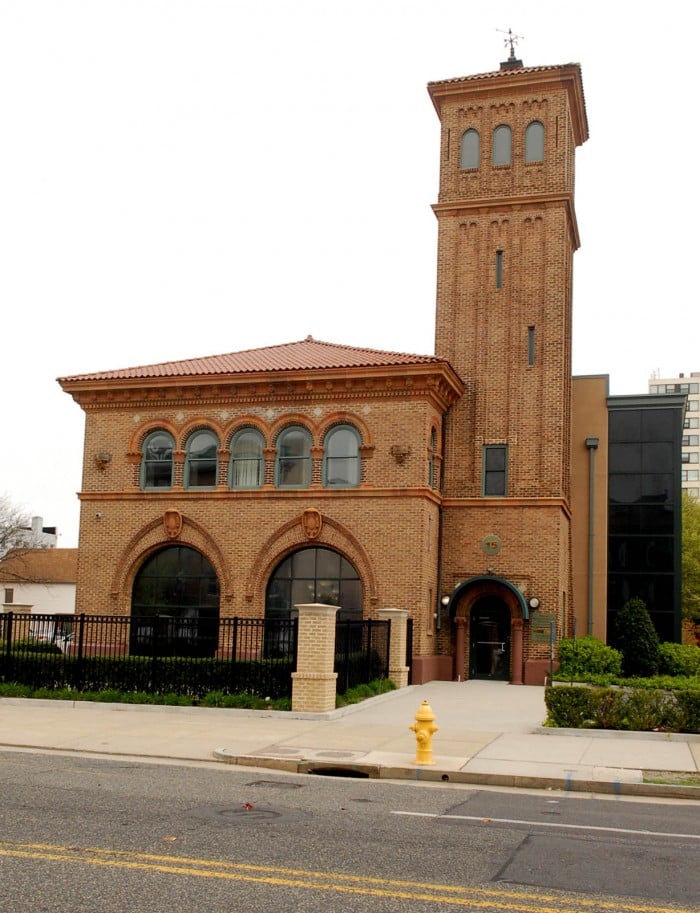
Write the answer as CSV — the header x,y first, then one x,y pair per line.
x,y
108,836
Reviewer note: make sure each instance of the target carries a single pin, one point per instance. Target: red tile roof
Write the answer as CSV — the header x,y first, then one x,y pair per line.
x,y
306,354
503,74
40,565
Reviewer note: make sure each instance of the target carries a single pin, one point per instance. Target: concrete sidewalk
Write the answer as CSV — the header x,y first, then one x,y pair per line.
x,y
488,733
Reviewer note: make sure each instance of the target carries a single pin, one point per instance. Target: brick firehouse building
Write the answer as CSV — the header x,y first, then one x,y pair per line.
x,y
245,483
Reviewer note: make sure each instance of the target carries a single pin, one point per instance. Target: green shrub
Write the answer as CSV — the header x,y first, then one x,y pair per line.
x,y
689,710
31,645
364,691
637,640
679,659
629,709
584,656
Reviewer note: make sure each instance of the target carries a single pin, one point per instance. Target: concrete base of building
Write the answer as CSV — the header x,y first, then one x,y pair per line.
x,y
537,670
431,669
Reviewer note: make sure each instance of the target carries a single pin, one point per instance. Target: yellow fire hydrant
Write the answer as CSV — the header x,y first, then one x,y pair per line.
x,y
424,727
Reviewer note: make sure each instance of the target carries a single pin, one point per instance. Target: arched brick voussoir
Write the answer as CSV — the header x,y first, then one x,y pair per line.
x,y
152,537
290,537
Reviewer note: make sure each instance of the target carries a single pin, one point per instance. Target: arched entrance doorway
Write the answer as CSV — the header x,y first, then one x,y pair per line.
x,y
175,598
489,639
488,614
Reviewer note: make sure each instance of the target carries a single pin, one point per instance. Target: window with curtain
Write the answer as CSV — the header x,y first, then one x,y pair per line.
x,y
534,142
247,469
201,460
469,150
501,152
294,458
157,460
341,458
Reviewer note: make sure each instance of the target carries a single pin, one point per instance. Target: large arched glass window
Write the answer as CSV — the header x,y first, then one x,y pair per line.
x,y
201,460
502,150
469,150
314,575
175,605
157,460
534,142
341,458
294,458
247,468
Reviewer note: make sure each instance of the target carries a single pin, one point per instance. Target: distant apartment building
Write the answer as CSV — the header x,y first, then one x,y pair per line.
x,y
690,456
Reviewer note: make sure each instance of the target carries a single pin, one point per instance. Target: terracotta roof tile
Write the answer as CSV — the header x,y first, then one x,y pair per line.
x,y
306,354
40,565
502,74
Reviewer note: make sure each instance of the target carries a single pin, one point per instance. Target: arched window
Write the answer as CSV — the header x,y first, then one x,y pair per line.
x,y
469,150
157,460
201,460
341,458
501,152
247,468
534,142
294,458
175,605
311,575
432,467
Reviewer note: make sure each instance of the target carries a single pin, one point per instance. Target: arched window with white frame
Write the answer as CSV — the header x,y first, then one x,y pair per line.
x,y
247,467
469,150
534,142
341,458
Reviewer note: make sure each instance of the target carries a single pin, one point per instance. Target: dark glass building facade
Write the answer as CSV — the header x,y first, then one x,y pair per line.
x,y
644,508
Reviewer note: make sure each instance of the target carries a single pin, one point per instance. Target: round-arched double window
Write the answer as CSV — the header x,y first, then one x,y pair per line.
x,y
314,575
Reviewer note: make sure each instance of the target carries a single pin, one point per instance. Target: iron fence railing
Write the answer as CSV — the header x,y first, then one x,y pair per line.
x,y
163,654
361,652
156,654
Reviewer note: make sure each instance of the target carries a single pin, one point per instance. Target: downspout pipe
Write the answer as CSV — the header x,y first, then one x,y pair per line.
x,y
592,444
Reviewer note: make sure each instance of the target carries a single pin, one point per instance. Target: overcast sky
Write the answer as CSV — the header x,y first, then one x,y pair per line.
x,y
182,178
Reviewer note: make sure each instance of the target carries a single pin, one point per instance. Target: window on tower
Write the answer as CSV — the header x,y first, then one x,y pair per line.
x,y
499,269
469,150
495,475
501,150
534,142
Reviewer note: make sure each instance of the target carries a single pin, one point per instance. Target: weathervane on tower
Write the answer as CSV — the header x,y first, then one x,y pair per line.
x,y
512,63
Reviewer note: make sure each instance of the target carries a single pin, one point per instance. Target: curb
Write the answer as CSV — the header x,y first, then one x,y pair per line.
x,y
431,775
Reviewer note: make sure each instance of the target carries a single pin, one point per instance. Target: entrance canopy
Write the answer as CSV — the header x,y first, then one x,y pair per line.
x,y
493,583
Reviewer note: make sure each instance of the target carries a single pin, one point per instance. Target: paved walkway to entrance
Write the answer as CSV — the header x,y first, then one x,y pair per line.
x,y
488,733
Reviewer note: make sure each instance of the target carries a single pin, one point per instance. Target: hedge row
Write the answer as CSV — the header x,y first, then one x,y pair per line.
x,y
185,676
640,710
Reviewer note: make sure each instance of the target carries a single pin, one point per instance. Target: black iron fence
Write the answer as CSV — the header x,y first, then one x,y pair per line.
x,y
361,652
157,654
165,654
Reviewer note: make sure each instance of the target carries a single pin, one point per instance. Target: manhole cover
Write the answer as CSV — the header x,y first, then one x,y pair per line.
x,y
245,813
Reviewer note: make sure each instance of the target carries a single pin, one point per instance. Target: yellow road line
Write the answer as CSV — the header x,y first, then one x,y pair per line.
x,y
451,895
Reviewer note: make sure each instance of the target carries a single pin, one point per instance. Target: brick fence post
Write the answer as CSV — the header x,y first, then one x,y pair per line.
x,y
314,682
398,620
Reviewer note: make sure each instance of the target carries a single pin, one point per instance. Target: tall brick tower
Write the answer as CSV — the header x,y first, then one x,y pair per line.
x,y
507,234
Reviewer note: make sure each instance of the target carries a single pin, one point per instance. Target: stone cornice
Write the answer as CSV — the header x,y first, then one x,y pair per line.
x,y
437,382
524,203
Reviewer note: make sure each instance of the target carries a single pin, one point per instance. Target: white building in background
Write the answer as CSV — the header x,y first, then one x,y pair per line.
x,y
38,581
40,536
690,385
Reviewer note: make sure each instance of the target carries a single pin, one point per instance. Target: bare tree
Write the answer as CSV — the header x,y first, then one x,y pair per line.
x,y
15,528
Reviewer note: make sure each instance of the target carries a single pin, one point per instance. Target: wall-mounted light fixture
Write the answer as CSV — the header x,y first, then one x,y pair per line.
x,y
103,459
400,452
533,602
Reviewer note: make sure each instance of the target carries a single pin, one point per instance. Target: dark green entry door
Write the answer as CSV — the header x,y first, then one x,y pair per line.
x,y
489,634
